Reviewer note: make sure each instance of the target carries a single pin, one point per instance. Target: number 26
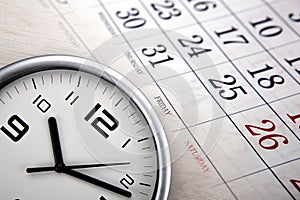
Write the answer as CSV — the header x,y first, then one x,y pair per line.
x,y
265,140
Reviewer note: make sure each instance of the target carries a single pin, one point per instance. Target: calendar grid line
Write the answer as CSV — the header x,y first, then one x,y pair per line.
x,y
72,29
258,171
281,18
238,112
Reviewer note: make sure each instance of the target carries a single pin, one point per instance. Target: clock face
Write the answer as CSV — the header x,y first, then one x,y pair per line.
x,y
66,134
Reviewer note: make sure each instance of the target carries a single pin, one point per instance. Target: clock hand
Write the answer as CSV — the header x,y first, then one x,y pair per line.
x,y
45,169
57,152
95,181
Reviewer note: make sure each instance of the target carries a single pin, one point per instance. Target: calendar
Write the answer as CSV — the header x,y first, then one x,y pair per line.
x,y
222,75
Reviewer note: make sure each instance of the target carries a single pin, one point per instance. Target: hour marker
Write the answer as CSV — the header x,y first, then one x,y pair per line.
x,y
2,101
79,79
118,102
51,76
17,90
33,82
43,81
102,198
60,78
112,95
34,101
88,83
125,144
25,86
70,78
144,193
147,175
144,148
126,107
141,130
143,139
131,115
147,156
97,85
77,97
8,95
136,122
104,90
69,96
145,184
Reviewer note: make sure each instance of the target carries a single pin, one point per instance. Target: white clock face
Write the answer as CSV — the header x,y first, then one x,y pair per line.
x,y
72,135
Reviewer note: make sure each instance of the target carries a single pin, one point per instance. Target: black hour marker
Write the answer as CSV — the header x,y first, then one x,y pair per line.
x,y
126,107
144,148
147,156
112,95
36,99
25,86
125,144
97,85
33,82
144,193
105,90
74,100
131,115
79,79
2,101
70,78
140,130
102,198
145,184
17,90
143,139
43,81
60,78
136,122
9,95
69,96
118,102
51,76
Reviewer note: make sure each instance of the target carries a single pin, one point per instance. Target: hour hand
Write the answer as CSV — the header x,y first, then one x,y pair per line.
x,y
57,152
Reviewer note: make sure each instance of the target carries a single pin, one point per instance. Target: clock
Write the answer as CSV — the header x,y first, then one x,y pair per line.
x,y
71,128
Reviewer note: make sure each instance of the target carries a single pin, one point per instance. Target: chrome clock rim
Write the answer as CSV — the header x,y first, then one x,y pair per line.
x,y
27,66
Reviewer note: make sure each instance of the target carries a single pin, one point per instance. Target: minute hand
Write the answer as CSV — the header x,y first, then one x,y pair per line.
x,y
46,169
95,181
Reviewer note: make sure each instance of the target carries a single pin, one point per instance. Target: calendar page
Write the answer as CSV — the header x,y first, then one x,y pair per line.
x,y
222,75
